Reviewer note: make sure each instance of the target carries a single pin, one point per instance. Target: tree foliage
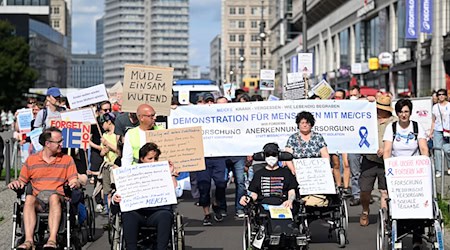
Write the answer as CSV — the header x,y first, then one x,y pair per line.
x,y
16,76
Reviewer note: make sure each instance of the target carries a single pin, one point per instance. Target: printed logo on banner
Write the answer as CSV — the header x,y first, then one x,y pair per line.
x,y
411,19
426,17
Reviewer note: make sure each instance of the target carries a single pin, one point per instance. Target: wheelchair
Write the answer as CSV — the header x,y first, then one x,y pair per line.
x,y
71,234
147,235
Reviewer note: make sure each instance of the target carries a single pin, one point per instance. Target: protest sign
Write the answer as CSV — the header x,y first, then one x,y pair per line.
x,y
253,124
267,79
272,98
280,212
409,186
305,63
82,115
24,118
87,96
147,84
75,134
34,137
229,91
314,176
182,146
295,87
323,90
144,185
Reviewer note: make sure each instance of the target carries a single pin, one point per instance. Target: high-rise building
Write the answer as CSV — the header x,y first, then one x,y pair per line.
x,y
243,28
214,60
152,32
99,36
87,70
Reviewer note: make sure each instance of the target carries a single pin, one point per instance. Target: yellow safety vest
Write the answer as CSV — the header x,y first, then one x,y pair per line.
x,y
135,141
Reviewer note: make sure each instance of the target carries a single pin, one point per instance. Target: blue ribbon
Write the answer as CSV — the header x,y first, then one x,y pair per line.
x,y
363,133
390,172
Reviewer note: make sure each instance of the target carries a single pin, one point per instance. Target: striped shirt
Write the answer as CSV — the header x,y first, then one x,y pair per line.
x,y
48,176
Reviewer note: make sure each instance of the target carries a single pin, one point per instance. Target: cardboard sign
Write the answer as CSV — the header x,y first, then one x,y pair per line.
x,y
24,118
144,185
267,81
409,187
82,115
87,96
295,87
75,134
182,146
34,137
323,90
314,176
147,84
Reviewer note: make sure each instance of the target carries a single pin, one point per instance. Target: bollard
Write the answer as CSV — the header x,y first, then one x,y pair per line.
x,y
7,161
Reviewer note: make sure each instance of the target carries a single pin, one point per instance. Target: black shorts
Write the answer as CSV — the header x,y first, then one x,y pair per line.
x,y
370,171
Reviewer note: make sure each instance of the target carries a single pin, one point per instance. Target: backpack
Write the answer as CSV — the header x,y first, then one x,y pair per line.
x,y
415,131
45,113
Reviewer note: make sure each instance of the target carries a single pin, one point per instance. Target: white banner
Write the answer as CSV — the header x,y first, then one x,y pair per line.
x,y
145,185
314,176
409,187
87,96
81,115
236,129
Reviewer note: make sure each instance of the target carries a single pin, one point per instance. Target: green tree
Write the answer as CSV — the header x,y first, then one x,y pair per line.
x,y
16,76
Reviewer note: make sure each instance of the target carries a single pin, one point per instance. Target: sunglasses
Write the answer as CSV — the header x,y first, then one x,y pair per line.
x,y
57,142
439,94
274,154
107,110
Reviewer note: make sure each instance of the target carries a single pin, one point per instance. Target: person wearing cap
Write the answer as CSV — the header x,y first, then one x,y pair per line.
x,y
372,166
206,98
52,111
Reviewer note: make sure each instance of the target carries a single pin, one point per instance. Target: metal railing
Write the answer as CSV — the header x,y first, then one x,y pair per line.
x,y
444,168
12,159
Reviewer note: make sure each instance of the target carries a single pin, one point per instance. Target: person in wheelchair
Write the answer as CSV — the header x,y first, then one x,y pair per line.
x,y
47,171
160,217
272,185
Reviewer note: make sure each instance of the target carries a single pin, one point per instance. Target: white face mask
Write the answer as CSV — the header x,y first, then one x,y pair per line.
x,y
353,97
272,161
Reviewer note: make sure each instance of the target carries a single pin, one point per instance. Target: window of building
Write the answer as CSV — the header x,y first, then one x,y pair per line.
x,y
358,43
241,38
232,51
55,23
373,37
253,64
254,24
232,11
344,48
241,24
55,10
241,51
232,38
254,51
254,37
401,23
241,11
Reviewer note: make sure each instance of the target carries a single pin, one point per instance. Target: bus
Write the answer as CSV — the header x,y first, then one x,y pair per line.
x,y
188,90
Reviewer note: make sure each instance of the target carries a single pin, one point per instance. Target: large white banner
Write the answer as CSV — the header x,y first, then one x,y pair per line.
x,y
235,129
314,176
409,186
145,185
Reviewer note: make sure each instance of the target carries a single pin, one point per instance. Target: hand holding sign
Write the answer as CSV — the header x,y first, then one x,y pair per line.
x,y
314,176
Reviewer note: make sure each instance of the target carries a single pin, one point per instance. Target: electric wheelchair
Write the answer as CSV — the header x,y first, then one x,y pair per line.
x,y
263,232
391,231
74,228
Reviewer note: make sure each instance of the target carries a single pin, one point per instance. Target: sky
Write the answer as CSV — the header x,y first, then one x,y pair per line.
x,y
204,26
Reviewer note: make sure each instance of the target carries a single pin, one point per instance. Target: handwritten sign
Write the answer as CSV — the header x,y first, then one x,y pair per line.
x,y
182,146
409,187
34,137
75,134
323,90
82,115
144,185
314,176
87,96
147,84
24,118
295,87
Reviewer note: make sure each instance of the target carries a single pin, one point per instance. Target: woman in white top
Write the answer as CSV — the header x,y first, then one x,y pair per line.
x,y
409,139
440,120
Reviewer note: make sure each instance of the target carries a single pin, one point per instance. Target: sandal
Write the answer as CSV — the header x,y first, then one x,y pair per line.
x,y
51,244
26,245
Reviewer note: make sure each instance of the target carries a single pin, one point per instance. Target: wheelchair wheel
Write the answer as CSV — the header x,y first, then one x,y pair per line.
x,y
180,232
116,231
341,238
437,240
90,217
382,232
247,235
344,216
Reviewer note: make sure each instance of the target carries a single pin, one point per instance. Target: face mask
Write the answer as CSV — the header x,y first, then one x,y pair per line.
x,y
272,160
353,97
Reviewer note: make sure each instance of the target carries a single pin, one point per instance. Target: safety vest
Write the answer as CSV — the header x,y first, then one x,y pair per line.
x,y
135,141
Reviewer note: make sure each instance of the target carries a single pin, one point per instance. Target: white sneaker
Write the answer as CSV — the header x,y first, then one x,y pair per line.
x,y
438,174
99,208
448,172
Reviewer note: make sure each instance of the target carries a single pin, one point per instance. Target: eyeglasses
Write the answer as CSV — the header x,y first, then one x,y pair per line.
x,y
150,115
57,142
107,110
31,102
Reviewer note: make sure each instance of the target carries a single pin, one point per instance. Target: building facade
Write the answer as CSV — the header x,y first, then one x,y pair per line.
x,y
87,70
152,32
365,43
99,36
215,60
242,48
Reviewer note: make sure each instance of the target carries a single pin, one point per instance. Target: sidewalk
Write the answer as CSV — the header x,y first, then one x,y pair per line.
x,y
7,199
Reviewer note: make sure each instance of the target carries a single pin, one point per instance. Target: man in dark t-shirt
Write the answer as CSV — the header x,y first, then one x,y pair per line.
x,y
123,122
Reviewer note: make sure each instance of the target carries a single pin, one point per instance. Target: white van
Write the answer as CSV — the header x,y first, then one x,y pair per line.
x,y
187,91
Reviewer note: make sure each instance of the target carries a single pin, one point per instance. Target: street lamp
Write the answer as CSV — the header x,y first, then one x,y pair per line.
x,y
241,66
231,75
262,35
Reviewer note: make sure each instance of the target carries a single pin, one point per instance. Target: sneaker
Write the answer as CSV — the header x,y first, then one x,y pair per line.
x,y
240,213
218,217
438,174
355,202
346,192
99,208
364,219
448,172
223,213
207,220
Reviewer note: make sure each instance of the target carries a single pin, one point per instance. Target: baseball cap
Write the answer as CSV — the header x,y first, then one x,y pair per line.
x,y
53,91
208,96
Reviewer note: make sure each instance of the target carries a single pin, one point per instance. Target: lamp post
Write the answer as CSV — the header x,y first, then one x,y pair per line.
x,y
241,65
262,35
